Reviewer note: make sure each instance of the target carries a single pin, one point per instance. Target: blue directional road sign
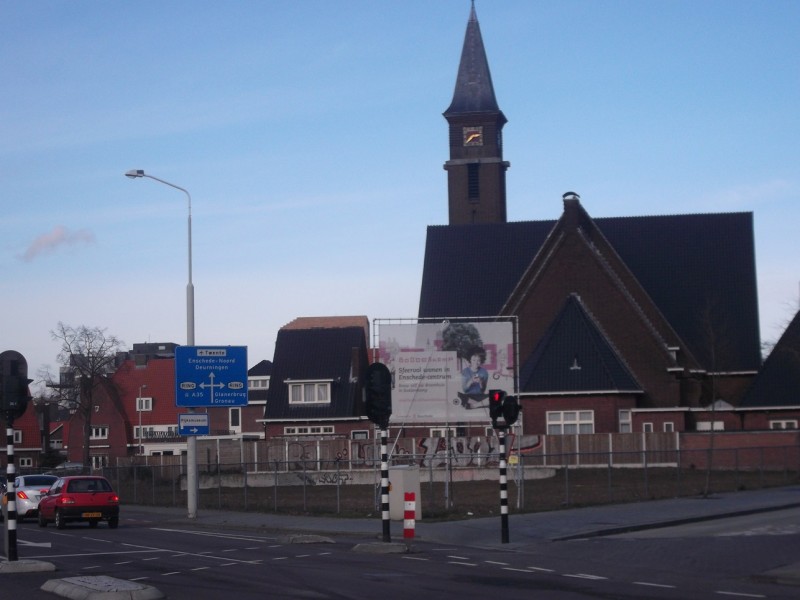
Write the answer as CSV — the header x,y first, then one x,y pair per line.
x,y
193,424
210,376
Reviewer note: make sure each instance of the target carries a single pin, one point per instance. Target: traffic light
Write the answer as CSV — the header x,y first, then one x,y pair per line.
x,y
378,394
496,398
13,383
510,410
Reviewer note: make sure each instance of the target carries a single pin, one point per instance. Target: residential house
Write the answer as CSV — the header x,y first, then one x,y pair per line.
x,y
316,383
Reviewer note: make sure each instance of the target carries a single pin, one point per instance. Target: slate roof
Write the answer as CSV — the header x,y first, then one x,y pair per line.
x,y
317,354
778,382
687,264
575,356
474,91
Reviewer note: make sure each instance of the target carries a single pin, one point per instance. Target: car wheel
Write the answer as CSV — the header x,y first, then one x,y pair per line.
x,y
42,520
113,522
60,523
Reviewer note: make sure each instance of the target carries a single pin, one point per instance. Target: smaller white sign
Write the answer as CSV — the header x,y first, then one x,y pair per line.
x,y
193,424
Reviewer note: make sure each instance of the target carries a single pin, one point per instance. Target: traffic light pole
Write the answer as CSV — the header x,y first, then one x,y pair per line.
x,y
387,533
11,493
501,436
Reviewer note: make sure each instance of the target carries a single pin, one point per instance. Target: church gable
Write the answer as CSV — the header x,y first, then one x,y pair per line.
x,y
574,356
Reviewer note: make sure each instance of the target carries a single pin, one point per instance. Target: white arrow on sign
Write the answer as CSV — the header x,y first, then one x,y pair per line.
x,y
212,385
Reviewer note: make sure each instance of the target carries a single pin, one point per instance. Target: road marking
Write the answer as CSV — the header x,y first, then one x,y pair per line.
x,y
458,557
542,569
124,562
741,595
492,562
35,544
92,567
138,578
413,558
466,564
170,573
658,585
513,569
95,554
584,576
229,536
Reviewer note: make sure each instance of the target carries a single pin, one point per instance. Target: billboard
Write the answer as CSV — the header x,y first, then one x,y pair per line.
x,y
442,372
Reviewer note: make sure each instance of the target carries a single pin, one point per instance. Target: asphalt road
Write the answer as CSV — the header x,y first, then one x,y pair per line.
x,y
202,561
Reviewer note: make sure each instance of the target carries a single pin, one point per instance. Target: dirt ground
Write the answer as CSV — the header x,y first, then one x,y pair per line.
x,y
471,499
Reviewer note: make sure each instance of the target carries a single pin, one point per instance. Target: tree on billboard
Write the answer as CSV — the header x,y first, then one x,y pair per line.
x,y
88,360
461,338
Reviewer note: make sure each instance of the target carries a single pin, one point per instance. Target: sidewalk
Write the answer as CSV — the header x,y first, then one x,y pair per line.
x,y
525,528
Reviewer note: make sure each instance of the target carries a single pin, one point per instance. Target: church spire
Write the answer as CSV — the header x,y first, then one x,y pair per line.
x,y
476,171
474,91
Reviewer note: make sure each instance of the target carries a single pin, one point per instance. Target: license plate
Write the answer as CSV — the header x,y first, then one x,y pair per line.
x,y
92,515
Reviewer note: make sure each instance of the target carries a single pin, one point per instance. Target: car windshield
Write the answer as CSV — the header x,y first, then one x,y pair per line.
x,y
89,485
31,480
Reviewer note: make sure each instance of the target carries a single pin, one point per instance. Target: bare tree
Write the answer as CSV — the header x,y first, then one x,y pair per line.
x,y
87,359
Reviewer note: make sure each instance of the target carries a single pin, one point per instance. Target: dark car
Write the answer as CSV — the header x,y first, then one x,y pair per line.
x,y
79,498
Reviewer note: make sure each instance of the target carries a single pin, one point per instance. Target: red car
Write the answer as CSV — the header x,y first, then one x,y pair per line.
x,y
79,498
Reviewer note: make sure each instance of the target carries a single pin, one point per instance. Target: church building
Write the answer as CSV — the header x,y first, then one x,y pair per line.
x,y
616,317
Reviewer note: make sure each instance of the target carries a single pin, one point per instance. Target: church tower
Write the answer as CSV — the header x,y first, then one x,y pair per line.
x,y
476,171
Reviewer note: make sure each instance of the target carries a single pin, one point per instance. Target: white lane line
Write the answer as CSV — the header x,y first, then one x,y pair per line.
x,y
280,558
199,568
124,562
170,573
413,558
657,585
81,554
584,576
739,594
228,536
228,564
138,578
493,562
518,570
465,564
91,567
542,569
458,557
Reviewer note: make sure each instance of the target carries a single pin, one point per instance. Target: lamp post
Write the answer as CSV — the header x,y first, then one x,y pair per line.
x,y
191,443
139,408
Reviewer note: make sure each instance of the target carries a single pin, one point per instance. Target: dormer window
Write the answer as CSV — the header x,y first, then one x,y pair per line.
x,y
310,392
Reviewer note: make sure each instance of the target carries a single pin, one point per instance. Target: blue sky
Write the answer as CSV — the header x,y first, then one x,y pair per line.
x,y
309,134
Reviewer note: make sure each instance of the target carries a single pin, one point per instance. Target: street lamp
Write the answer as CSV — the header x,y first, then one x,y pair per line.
x,y
191,443
134,174
139,408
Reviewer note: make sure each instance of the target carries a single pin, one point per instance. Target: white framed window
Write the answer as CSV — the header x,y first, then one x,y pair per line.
x,y
565,422
25,461
144,404
647,427
310,392
359,434
99,432
17,436
258,383
100,461
669,427
783,424
707,426
440,432
625,422
309,430
235,419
